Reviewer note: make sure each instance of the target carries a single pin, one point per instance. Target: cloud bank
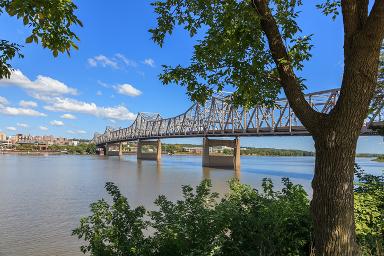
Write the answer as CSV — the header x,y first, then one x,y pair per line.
x,y
11,111
71,105
43,84
27,104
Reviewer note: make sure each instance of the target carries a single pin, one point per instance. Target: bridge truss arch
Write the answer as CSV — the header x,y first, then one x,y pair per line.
x,y
219,118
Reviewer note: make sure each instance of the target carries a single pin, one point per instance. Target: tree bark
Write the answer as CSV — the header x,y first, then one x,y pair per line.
x,y
332,205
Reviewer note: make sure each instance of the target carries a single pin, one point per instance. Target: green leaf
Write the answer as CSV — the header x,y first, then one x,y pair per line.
x,y
29,39
25,20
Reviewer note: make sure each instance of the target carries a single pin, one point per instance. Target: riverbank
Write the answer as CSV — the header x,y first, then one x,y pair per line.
x,y
379,159
22,152
270,152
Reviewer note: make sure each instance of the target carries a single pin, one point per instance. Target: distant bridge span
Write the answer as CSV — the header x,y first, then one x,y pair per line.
x,y
219,118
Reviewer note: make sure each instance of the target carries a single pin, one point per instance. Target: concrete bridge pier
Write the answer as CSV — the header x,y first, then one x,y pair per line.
x,y
115,149
156,155
100,151
225,162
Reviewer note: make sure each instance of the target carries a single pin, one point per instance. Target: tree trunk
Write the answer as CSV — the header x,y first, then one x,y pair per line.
x,y
335,133
332,205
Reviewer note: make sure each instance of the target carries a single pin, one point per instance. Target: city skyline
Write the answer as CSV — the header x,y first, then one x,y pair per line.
x,y
114,75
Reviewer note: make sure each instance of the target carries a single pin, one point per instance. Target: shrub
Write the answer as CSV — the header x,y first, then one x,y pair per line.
x,y
369,212
113,229
268,223
201,224
244,222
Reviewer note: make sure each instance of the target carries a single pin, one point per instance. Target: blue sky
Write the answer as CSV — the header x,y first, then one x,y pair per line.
x,y
114,75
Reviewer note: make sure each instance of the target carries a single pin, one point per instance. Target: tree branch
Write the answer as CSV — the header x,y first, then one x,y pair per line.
x,y
363,38
307,115
375,21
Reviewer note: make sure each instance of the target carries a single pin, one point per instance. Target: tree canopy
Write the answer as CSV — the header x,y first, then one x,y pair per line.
x,y
234,49
51,23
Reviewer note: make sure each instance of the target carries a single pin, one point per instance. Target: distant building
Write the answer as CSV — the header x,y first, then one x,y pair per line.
x,y
47,140
74,143
3,136
220,149
195,150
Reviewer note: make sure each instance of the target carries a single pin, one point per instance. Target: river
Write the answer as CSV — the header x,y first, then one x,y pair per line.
x,y
43,197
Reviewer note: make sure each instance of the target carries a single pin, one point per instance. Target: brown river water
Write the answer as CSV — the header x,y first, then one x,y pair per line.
x,y
43,197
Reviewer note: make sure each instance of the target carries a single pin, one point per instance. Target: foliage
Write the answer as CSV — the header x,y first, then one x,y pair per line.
x,y
178,148
82,148
27,147
232,49
113,229
201,224
380,158
378,101
172,148
330,7
275,152
51,22
268,223
369,212
8,51
192,226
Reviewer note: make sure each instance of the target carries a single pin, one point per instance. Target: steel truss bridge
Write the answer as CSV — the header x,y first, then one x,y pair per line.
x,y
219,118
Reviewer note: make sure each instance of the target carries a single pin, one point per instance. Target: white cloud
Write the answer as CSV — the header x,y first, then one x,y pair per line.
x,y
43,128
27,104
11,128
127,89
99,93
68,116
103,61
112,121
56,123
76,132
72,105
3,101
20,111
105,85
150,62
126,61
43,84
118,61
22,125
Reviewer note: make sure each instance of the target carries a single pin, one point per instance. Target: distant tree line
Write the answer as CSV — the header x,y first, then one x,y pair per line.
x,y
275,152
380,158
81,149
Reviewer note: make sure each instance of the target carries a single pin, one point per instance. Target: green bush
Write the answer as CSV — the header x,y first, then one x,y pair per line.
x,y
113,229
268,223
201,224
244,222
369,212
